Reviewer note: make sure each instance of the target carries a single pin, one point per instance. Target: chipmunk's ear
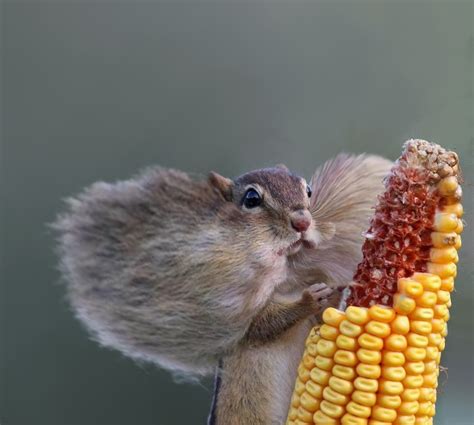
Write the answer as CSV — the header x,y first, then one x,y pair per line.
x,y
222,184
282,167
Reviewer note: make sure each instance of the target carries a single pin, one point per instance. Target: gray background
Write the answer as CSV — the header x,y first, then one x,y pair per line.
x,y
97,90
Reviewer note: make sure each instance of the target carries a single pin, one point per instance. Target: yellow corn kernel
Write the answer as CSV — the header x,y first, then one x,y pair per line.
x,y
365,384
405,420
314,389
424,409
358,410
440,310
304,415
442,270
334,397
421,313
410,394
432,353
444,331
448,185
369,356
460,227
349,419
345,358
442,345
430,380
422,420
442,240
375,422
389,401
393,358
322,419
312,348
308,361
414,368
444,297
341,385
344,372
415,354
332,316
369,371
324,363
303,373
381,313
403,304
427,299
418,326
458,243
413,381
326,348
329,332
410,287
456,209
400,325
429,281
408,408
447,284
383,414
346,343
357,315
444,255
364,398
350,329
390,387
434,339
299,386
295,400
415,340
426,394
293,413
437,325
332,410
393,373
309,403
431,366
395,342
370,342
319,376
379,329
445,222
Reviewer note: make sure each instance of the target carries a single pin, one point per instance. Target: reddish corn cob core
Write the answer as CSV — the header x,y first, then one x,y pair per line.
x,y
398,241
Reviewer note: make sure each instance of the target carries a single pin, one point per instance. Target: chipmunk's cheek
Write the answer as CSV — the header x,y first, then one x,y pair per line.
x,y
311,238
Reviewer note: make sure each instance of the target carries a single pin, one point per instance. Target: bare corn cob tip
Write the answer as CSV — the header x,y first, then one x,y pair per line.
x,y
398,241
377,363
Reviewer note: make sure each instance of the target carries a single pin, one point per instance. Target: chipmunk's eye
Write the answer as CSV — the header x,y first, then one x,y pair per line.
x,y
252,199
309,192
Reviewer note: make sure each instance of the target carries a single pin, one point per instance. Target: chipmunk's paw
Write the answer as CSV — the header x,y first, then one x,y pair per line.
x,y
317,296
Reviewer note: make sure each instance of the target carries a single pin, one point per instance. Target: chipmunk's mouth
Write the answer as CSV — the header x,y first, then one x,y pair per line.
x,y
296,246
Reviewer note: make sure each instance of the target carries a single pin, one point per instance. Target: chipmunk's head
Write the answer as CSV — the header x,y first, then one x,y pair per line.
x,y
274,206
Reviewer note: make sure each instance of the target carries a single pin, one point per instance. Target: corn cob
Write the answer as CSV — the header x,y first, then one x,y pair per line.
x,y
377,362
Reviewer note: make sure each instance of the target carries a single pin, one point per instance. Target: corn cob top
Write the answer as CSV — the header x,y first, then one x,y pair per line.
x,y
399,239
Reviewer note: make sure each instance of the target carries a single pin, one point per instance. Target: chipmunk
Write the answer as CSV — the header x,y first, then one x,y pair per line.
x,y
187,272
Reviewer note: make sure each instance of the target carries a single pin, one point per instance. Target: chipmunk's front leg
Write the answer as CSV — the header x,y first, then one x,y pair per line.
x,y
277,317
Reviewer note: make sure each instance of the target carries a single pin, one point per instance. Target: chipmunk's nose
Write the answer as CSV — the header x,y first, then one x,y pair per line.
x,y
300,220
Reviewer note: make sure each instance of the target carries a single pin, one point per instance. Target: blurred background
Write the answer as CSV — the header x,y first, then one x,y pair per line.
x,y
97,90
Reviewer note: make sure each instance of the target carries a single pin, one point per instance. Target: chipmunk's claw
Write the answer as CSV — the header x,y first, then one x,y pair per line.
x,y
317,296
